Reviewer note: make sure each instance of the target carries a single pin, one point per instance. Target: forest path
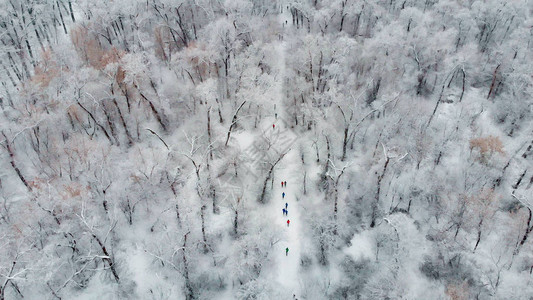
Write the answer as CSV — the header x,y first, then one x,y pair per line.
x,y
288,265
287,170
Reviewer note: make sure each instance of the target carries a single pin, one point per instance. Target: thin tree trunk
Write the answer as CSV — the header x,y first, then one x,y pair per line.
x,y
336,201
344,143
463,89
189,294
515,186
262,197
220,119
61,18
209,132
154,111
107,258
71,11
236,218
376,200
305,183
96,123
13,164
478,234
493,81
128,135
325,181
202,215
111,124
233,122
529,228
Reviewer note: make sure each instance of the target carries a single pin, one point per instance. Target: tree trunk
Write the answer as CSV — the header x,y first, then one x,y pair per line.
x,y
262,197
13,164
96,123
515,186
123,122
71,11
478,234
189,293
209,133
305,183
491,90
529,228
376,200
344,143
61,18
236,223
233,122
107,258
463,89
110,124
154,111
202,215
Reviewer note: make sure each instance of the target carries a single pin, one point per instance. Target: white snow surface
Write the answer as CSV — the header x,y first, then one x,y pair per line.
x,y
362,246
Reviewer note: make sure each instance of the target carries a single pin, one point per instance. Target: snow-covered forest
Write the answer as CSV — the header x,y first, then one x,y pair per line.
x,y
143,145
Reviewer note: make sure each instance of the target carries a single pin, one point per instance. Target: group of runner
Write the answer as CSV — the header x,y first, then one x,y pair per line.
x,y
285,211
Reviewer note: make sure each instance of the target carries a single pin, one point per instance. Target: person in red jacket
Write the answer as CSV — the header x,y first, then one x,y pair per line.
x,y
288,222
282,184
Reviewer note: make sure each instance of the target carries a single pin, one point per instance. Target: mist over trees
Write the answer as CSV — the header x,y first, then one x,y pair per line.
x,y
139,160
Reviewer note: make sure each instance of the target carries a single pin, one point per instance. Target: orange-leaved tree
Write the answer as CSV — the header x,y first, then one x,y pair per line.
x,y
487,146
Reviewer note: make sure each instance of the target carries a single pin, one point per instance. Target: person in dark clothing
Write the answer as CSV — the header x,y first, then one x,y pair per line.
x,y
283,195
285,184
284,211
286,205
287,251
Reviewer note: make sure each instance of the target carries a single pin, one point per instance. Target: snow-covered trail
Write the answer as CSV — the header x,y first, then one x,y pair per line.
x,y
284,271
287,170
288,265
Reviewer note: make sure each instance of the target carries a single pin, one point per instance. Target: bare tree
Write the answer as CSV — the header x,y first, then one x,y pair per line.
x,y
375,204
261,198
14,165
335,180
12,273
106,256
233,122
529,223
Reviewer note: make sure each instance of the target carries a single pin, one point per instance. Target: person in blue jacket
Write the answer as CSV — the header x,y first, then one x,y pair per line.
x,y
283,195
286,206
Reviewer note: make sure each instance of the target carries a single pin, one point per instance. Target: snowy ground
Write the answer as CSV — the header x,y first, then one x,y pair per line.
x,y
288,265
285,271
